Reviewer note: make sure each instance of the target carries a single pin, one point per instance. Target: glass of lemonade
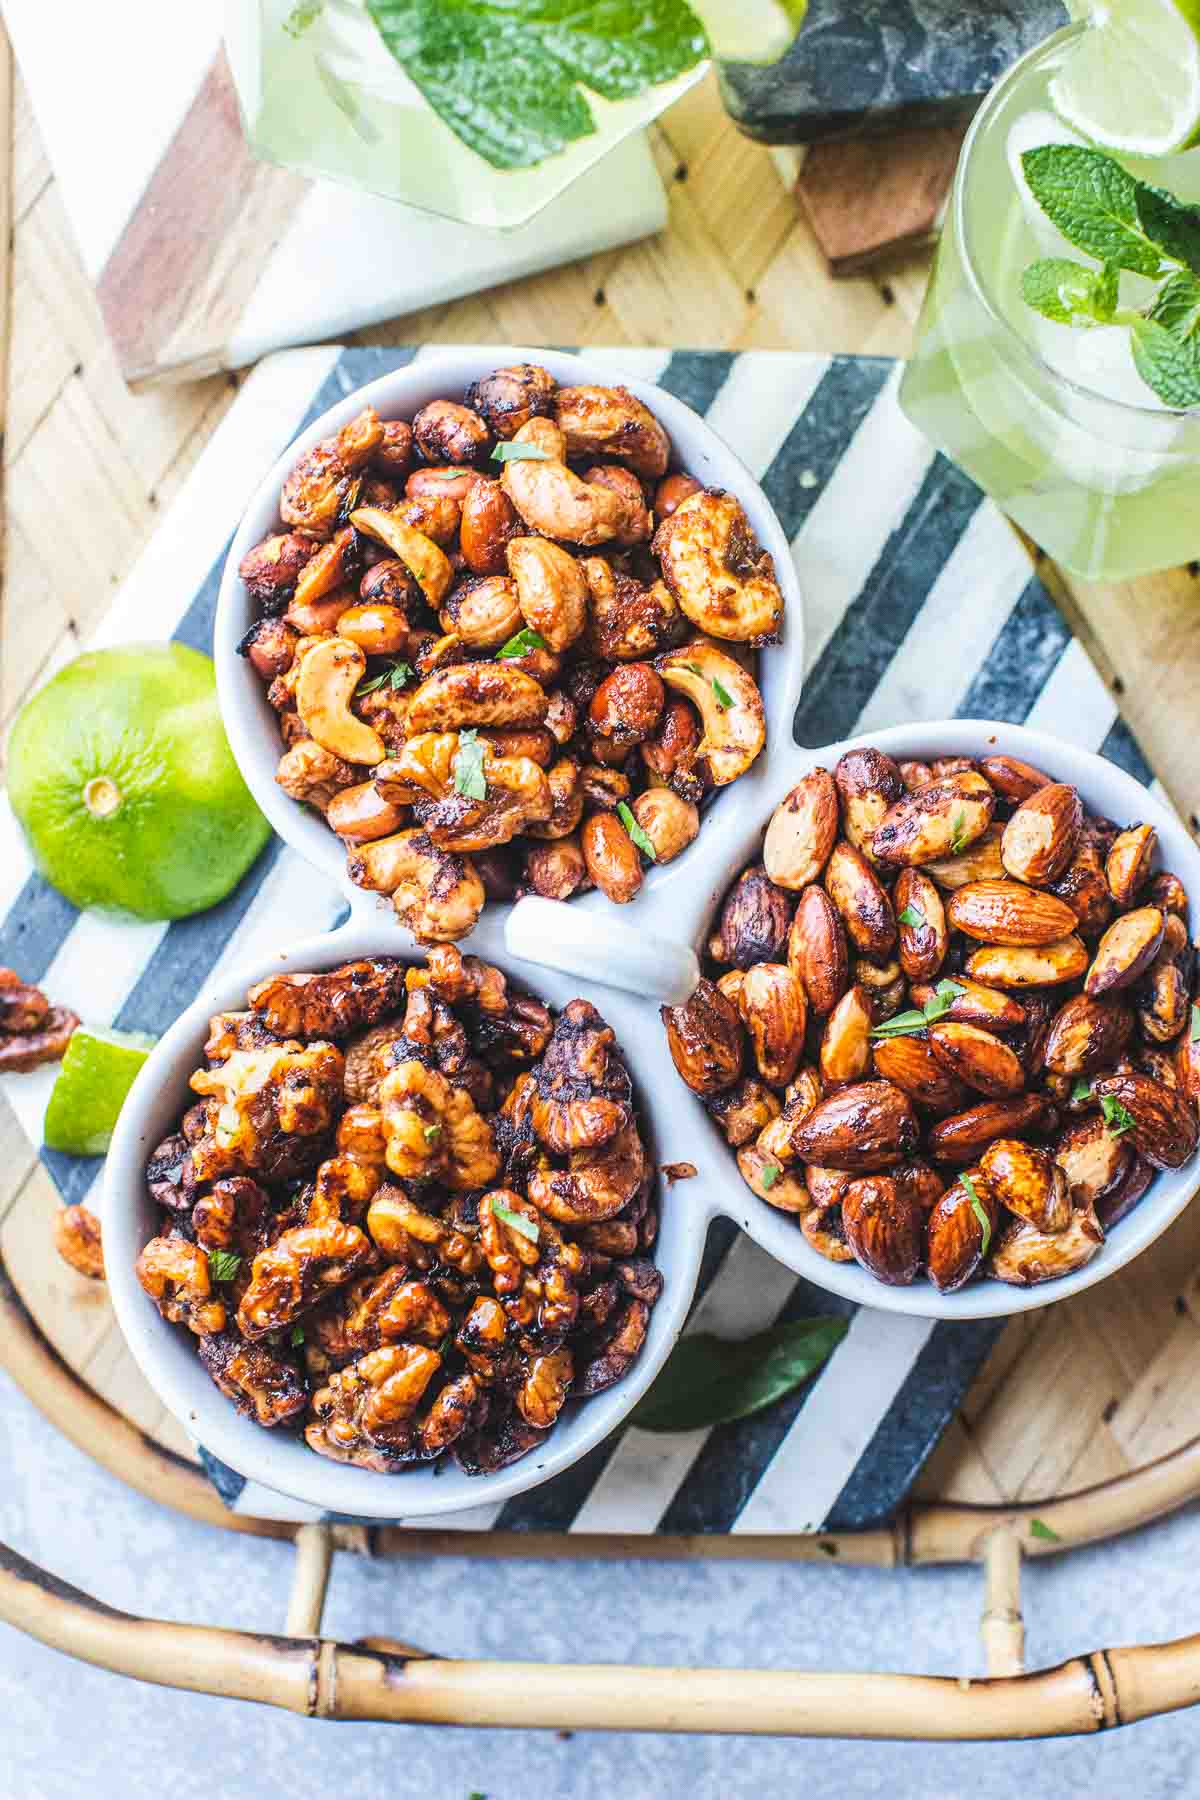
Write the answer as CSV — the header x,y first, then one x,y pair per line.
x,y
1053,421
320,92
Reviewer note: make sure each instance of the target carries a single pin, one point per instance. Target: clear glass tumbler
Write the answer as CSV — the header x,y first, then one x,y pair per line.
x,y
1052,421
330,100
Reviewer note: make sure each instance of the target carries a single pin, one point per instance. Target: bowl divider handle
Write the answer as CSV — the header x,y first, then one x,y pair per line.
x,y
597,948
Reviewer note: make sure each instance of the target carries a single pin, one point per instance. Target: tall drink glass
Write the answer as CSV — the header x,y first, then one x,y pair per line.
x,y
1053,421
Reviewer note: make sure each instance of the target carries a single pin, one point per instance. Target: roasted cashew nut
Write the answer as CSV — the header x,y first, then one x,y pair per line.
x,y
329,675
551,590
516,792
483,693
729,704
717,570
610,421
438,896
552,499
427,561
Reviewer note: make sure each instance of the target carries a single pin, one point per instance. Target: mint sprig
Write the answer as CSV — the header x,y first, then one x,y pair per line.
x,y
1124,224
905,1023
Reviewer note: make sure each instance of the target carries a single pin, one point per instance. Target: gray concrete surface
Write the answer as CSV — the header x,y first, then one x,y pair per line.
x,y
69,1731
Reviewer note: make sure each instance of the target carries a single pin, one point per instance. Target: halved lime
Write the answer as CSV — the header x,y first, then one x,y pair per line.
x,y
123,781
755,31
1132,82
97,1072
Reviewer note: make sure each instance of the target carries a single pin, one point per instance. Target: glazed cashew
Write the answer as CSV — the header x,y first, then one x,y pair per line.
x,y
438,896
610,421
729,704
312,775
475,694
516,791
628,621
717,570
323,484
329,675
552,499
427,561
551,590
433,1131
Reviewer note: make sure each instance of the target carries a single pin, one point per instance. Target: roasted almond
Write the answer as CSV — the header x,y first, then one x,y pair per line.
x,y
1125,951
957,1238
1163,1003
921,918
1033,966
1168,893
1039,840
846,1040
778,1186
1008,912
867,1126
802,831
915,775
704,1036
1025,1256
1125,1196
1187,1064
1027,1180
754,921
1013,779
939,820
1087,1035
965,1136
1127,866
1084,888
774,1010
920,1184
910,1062
867,783
975,1005
1092,1159
941,766
979,862
861,900
978,1058
883,1228
816,950
1165,1126
1029,1043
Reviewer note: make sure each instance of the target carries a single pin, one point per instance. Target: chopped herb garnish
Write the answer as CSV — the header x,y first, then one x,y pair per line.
x,y
958,828
977,1207
625,814
1039,1529
723,696
469,778
770,1175
446,474
517,1220
395,675
432,1133
525,640
302,16
297,1337
904,1023
1196,1024
223,1265
520,453
912,915
1117,1118
1081,1091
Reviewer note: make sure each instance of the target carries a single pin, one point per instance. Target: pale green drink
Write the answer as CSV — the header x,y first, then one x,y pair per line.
x,y
1053,421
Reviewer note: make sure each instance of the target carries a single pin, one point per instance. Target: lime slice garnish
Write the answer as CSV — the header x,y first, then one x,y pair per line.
x,y
755,31
97,1072
1133,81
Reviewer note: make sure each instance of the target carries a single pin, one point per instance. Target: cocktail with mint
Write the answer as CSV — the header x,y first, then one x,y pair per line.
x,y
1059,353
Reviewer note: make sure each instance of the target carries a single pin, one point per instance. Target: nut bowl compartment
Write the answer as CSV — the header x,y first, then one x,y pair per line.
x,y
252,724
683,919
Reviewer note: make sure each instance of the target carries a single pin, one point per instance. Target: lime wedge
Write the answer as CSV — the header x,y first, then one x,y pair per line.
x,y
754,31
1133,81
97,1072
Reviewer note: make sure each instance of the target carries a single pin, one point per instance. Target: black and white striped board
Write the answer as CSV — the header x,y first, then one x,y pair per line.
x,y
920,603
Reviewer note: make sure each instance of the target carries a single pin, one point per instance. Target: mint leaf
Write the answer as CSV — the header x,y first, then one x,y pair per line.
x,y
520,644
977,1207
516,1220
1177,305
770,1174
1195,1030
1068,292
901,1025
395,675
1039,1529
708,1380
958,826
1081,1091
1117,1118
520,453
469,778
1169,365
637,835
1171,223
1094,203
912,915
297,1336
505,75
223,1265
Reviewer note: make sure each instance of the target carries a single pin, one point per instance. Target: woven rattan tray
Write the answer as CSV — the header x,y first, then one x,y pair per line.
x,y
1081,1418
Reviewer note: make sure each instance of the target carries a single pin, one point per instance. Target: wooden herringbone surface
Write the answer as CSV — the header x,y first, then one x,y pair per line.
x,y
1072,1394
